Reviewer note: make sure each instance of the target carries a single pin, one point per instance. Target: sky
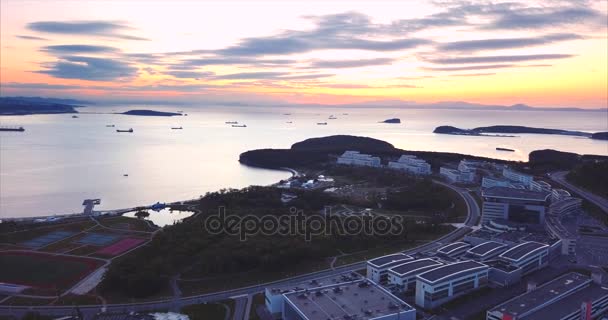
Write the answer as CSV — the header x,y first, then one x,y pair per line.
x,y
549,53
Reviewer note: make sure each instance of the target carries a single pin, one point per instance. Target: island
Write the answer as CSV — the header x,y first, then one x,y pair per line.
x,y
150,113
18,106
600,136
392,120
483,131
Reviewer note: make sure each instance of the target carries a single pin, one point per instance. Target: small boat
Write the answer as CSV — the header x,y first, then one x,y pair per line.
x,y
74,117
125,175
18,129
239,126
332,117
504,149
289,122
129,131
322,123
232,122
185,114
286,114
345,114
110,125
176,128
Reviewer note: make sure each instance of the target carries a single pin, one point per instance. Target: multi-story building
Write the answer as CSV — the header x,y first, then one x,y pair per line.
x,y
489,182
486,251
566,206
411,164
529,256
513,175
559,194
445,283
404,275
453,249
354,158
377,269
469,165
540,186
572,296
361,300
457,176
516,205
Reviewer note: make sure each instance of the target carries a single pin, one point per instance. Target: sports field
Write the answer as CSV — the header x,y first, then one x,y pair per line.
x,y
44,270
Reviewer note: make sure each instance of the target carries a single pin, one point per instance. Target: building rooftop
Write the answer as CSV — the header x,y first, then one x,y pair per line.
x,y
569,305
316,283
510,193
523,250
451,270
415,267
500,265
447,249
527,302
354,300
487,248
390,260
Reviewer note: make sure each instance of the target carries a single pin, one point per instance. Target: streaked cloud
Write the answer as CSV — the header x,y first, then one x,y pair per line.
x,y
499,59
335,64
88,68
107,29
506,43
26,37
78,49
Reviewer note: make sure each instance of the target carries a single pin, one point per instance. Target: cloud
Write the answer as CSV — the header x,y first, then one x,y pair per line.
x,y
208,61
269,75
506,43
331,64
97,28
475,67
26,37
533,18
190,74
499,59
78,49
88,68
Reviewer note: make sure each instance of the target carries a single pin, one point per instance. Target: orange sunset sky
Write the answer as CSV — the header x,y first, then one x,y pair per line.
x,y
542,53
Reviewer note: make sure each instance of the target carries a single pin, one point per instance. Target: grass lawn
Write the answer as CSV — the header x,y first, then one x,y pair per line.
x,y
41,270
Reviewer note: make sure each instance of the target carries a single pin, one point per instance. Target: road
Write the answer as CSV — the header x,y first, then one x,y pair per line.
x,y
90,310
560,177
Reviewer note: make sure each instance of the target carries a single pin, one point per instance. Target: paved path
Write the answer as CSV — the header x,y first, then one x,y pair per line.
x,y
89,311
560,177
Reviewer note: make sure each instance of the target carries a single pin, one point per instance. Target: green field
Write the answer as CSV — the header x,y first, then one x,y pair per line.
x,y
39,270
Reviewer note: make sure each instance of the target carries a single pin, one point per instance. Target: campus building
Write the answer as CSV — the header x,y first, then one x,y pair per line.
x,y
486,251
457,176
361,300
445,283
274,296
404,275
516,205
522,178
411,164
453,249
354,158
572,296
565,206
540,186
377,269
489,182
529,256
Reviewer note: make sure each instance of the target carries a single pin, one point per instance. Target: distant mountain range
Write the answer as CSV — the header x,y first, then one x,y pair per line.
x,y
37,105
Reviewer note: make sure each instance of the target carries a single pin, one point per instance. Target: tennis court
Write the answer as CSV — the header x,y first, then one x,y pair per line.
x,y
47,239
98,239
121,246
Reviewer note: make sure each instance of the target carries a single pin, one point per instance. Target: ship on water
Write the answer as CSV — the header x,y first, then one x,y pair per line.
x,y
129,131
239,126
17,129
176,128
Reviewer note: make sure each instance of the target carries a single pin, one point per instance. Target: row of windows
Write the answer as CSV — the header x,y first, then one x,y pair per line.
x,y
436,296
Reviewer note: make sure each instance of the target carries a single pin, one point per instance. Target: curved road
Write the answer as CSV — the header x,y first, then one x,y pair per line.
x,y
560,177
89,311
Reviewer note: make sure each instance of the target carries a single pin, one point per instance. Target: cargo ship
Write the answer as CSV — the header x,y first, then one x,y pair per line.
x,y
129,131
18,129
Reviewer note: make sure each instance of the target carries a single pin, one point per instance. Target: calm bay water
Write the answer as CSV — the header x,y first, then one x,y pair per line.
x,y
59,161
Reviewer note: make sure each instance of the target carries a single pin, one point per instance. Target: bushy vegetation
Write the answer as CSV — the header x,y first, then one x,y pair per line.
x,y
592,176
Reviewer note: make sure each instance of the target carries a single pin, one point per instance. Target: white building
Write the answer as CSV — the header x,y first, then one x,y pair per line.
x,y
572,296
377,269
404,275
529,256
513,175
411,164
457,176
516,205
487,182
445,283
361,300
540,186
354,158
454,249
486,251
